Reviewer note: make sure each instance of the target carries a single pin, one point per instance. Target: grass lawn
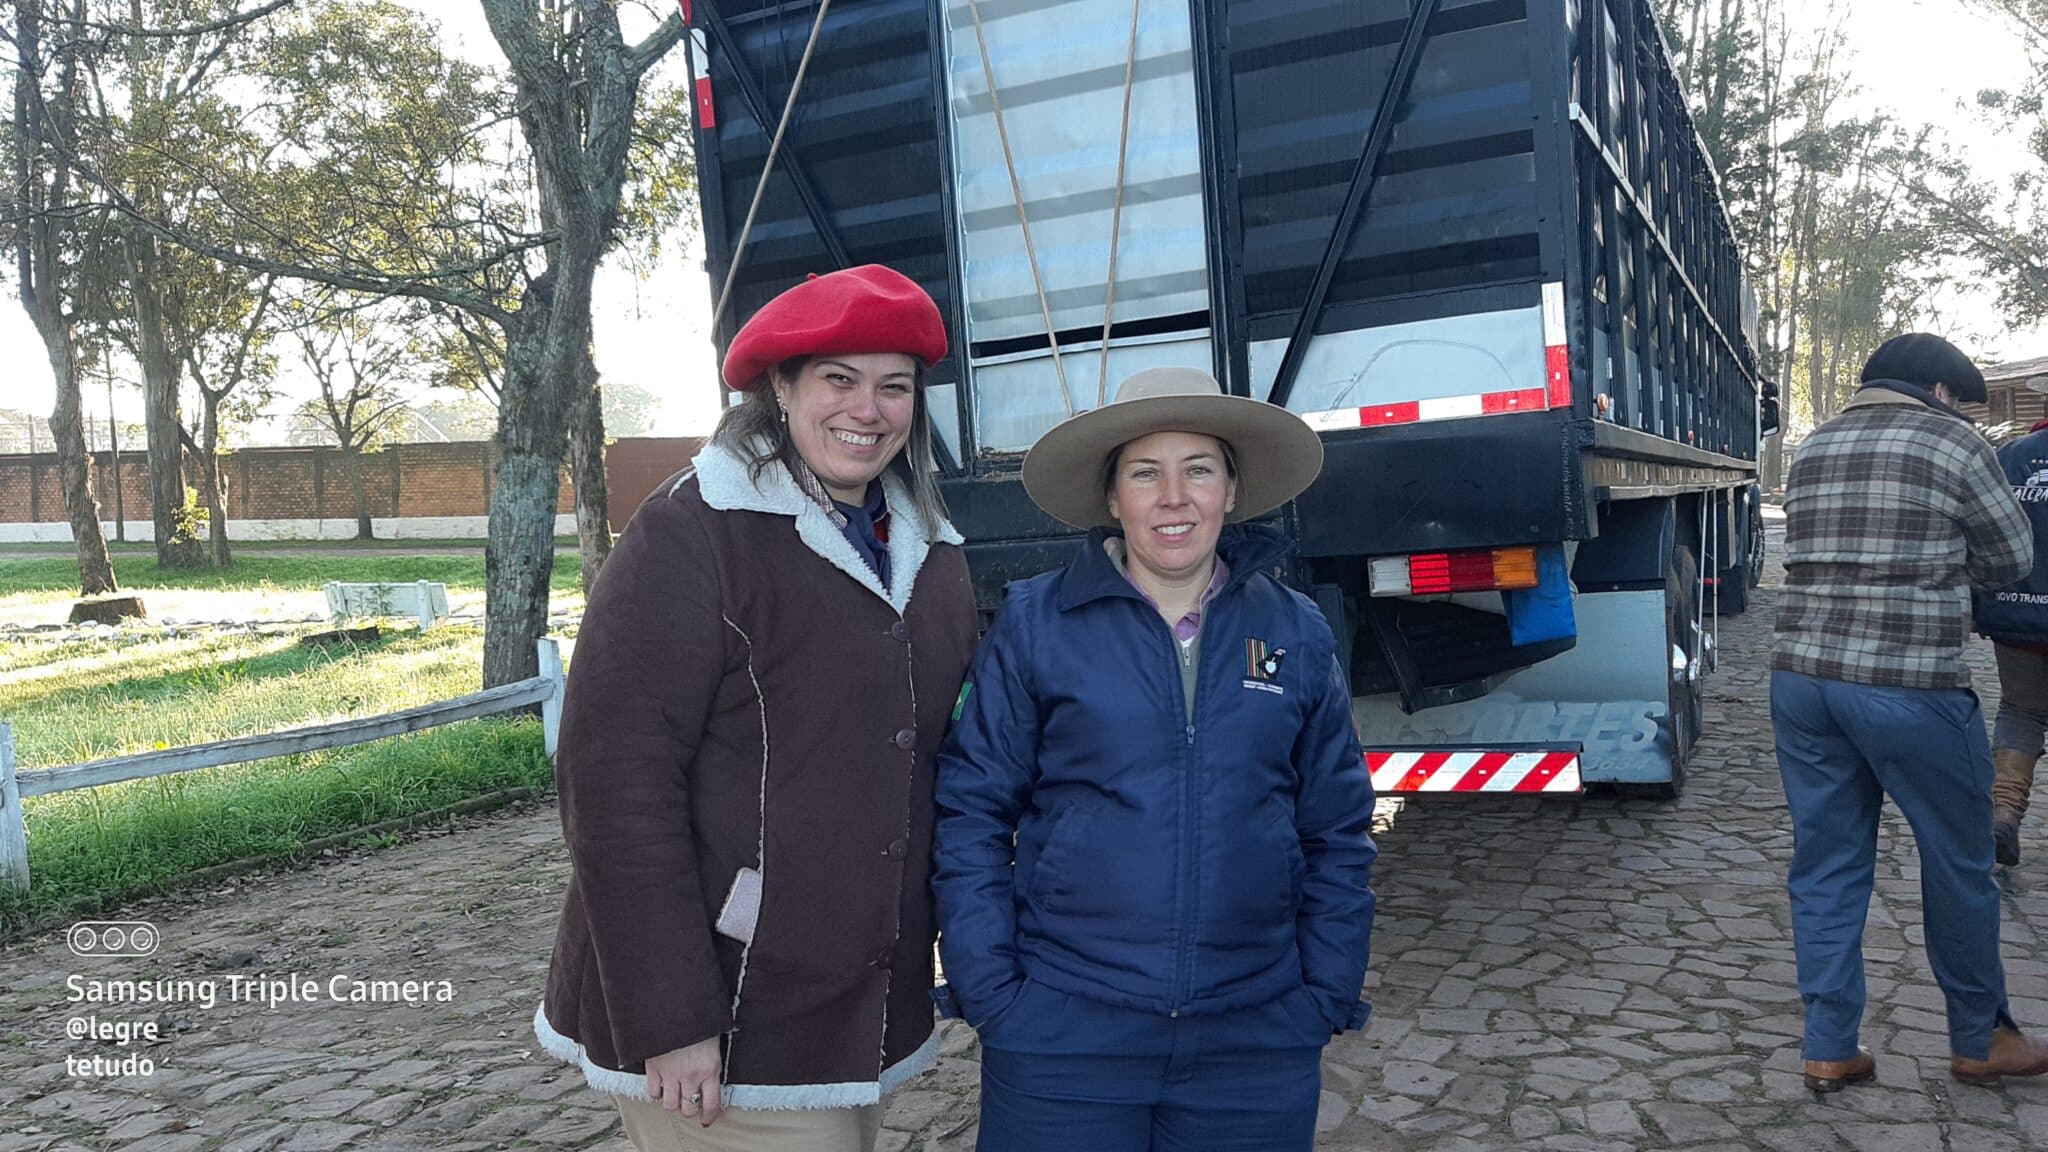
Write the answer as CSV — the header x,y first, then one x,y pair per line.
x,y
95,848
39,590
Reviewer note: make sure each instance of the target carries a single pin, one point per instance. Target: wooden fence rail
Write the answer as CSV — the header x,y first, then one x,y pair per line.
x,y
544,690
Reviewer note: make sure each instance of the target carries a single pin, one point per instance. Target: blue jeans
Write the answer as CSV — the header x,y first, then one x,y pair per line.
x,y
1061,1073
1842,748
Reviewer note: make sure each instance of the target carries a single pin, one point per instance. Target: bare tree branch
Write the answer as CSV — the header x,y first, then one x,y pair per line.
x,y
233,20
642,57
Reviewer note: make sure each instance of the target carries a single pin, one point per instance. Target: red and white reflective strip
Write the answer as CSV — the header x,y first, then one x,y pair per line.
x,y
1557,361
1416,411
1520,772
700,73
1555,393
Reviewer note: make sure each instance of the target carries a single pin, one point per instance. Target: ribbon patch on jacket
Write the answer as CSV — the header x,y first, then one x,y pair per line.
x,y
1262,666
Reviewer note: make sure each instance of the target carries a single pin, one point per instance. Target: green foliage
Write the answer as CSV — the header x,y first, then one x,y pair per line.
x,y
79,700
189,518
92,851
1839,250
388,167
261,572
629,410
91,699
660,196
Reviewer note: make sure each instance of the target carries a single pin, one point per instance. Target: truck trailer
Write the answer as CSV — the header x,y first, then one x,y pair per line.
x,y
1477,244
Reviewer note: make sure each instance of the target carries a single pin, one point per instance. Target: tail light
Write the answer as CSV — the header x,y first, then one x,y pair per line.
x,y
1442,573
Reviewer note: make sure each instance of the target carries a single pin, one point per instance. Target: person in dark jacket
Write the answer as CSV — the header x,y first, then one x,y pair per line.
x,y
2015,617
744,959
1893,510
1153,845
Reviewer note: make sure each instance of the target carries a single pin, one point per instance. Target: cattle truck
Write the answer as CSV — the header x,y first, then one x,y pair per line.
x,y
1477,244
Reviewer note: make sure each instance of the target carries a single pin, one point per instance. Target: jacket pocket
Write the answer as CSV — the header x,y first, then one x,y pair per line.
x,y
1297,863
1307,1012
1052,879
1256,878
994,1019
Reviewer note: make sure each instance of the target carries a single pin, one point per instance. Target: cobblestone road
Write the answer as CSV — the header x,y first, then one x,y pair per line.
x,y
1568,975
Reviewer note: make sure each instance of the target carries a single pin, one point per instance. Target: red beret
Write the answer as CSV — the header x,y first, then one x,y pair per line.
x,y
864,309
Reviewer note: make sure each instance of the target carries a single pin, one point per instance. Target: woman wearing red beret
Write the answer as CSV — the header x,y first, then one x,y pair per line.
x,y
764,673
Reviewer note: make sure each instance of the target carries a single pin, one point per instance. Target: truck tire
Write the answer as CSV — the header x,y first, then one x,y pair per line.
x,y
1682,642
1747,573
1754,550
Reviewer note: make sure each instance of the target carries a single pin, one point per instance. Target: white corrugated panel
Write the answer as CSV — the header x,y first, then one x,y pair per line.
x,y
1059,70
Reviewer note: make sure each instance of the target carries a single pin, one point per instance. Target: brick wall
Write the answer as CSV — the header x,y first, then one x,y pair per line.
x,y
406,480
32,491
632,469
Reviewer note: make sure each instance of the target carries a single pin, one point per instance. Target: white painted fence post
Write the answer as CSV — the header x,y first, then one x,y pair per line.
x,y
13,831
551,708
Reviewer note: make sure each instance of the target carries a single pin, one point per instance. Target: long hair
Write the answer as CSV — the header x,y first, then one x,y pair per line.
x,y
754,430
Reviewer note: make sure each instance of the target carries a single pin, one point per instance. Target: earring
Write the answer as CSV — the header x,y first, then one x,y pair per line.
x,y
785,416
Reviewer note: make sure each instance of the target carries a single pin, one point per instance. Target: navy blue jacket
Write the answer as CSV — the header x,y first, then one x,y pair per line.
x,y
1093,840
2018,613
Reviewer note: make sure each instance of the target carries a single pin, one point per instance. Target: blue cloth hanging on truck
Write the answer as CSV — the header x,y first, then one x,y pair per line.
x,y
1543,613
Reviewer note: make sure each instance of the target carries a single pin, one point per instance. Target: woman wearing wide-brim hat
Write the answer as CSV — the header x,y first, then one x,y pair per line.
x,y
763,676
1152,853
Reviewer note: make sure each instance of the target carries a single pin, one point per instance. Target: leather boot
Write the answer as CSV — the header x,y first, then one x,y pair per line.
x,y
1835,1075
2011,1055
2012,782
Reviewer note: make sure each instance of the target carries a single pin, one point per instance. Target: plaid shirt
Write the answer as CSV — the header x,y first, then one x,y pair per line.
x,y
1892,511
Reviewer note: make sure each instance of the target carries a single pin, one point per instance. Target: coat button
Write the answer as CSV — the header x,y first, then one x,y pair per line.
x,y
882,958
906,738
899,631
898,849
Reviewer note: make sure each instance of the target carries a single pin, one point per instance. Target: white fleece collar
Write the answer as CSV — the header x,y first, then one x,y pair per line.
x,y
723,479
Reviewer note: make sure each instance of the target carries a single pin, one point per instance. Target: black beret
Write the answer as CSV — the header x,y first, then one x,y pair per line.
x,y
1925,359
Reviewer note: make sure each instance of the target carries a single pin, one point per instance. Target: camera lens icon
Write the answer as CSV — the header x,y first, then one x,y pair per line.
x,y
112,938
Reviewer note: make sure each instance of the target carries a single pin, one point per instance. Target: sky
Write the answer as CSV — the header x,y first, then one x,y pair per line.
x,y
1921,59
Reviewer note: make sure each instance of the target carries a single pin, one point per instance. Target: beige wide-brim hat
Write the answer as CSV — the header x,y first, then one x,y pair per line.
x,y
1278,455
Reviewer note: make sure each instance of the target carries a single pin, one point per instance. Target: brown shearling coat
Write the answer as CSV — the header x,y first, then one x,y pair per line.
x,y
745,692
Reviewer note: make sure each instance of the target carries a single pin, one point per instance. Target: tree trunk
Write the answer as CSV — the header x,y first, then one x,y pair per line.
x,y
216,505
39,185
160,400
586,471
519,561
353,457
1689,73
74,468
580,154
1819,390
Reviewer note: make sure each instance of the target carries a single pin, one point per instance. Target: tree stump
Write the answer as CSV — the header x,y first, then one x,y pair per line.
x,y
108,610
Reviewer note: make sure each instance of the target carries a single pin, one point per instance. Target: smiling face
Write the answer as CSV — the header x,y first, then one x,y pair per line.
x,y
849,416
1171,491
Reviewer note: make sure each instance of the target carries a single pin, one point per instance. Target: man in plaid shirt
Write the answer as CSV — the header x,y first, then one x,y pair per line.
x,y
1893,510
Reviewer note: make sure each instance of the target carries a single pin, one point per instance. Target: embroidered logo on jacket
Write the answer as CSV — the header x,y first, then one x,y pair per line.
x,y
1262,666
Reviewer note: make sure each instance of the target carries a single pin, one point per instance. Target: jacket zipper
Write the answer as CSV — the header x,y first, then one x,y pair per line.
x,y
1191,701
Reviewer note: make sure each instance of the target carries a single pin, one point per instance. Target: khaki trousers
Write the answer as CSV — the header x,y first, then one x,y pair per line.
x,y
2017,733
653,1128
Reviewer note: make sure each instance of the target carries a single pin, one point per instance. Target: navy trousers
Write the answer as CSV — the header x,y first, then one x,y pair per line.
x,y
1061,1073
1842,748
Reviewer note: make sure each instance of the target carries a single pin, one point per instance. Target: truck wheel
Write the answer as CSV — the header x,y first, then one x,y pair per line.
x,y
1754,553
1746,574
1682,644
